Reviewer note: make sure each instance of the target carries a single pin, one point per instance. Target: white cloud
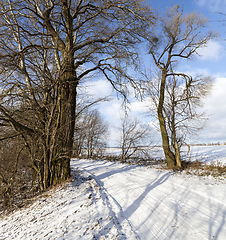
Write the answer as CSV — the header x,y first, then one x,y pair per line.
x,y
215,103
139,106
212,52
98,88
215,107
214,5
112,111
191,71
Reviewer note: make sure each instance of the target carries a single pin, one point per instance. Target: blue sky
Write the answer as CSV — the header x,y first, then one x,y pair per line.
x,y
211,62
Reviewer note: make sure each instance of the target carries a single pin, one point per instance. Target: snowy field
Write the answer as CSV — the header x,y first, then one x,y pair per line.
x,y
108,200
206,154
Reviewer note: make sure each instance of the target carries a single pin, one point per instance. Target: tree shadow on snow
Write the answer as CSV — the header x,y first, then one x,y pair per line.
x,y
180,212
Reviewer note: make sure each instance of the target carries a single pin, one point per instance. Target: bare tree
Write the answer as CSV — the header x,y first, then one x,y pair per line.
x,y
175,94
84,118
91,134
46,49
134,136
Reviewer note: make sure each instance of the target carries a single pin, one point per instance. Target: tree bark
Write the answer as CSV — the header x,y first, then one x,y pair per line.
x,y
173,123
174,140
68,89
68,83
170,158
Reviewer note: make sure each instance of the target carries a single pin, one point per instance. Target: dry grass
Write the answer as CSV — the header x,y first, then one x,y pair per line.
x,y
18,180
215,169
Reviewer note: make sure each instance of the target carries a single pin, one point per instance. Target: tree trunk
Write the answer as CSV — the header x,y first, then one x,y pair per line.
x,y
57,169
57,165
177,155
170,158
173,123
67,123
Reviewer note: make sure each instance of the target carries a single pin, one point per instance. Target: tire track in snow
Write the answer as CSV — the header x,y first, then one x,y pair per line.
x,y
181,208
159,209
117,211
151,226
154,228
201,205
112,205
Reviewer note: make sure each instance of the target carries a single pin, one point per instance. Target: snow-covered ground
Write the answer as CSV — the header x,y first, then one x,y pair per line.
x,y
207,154
161,204
80,209
108,200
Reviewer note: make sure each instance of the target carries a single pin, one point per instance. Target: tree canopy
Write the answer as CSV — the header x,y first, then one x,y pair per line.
x,y
46,49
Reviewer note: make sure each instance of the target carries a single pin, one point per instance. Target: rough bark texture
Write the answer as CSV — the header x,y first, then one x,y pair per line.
x,y
170,158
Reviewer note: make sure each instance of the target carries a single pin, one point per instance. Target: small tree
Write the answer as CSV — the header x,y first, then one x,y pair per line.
x,y
176,94
91,134
134,136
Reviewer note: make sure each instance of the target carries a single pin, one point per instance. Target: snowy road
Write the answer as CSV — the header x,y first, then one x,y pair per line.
x,y
160,204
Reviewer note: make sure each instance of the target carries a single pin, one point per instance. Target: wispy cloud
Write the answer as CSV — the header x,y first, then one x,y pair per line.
x,y
213,5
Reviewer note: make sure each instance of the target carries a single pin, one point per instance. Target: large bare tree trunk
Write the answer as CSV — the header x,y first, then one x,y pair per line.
x,y
170,158
68,86
60,168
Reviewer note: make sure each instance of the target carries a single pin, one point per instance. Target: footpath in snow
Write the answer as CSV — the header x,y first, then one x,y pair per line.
x,y
77,210
107,200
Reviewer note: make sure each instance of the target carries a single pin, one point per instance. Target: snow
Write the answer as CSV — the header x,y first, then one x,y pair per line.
x,y
208,154
161,204
109,200
76,210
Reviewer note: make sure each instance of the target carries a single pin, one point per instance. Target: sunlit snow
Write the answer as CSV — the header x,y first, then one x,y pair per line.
x,y
109,200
